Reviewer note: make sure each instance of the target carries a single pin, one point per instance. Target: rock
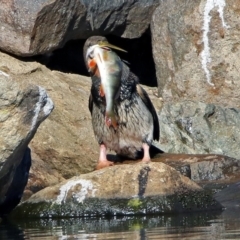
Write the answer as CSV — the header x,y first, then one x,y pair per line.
x,y
195,49
230,196
205,169
215,173
16,188
199,128
119,190
64,145
22,108
39,27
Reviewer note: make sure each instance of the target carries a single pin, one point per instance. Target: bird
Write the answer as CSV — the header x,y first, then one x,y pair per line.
x,y
136,123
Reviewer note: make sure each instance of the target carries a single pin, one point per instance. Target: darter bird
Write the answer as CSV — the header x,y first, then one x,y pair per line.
x,y
123,117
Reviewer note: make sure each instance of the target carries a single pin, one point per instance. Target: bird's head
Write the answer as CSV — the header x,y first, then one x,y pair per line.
x,y
89,53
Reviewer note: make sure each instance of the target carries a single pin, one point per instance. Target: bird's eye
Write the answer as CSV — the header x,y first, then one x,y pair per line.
x,y
90,55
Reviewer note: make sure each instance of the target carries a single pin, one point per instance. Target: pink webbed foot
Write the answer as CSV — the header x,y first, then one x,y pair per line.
x,y
103,162
146,155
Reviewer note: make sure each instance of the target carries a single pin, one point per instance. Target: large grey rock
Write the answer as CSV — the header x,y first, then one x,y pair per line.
x,y
215,173
199,128
203,168
120,190
196,50
22,108
64,145
35,27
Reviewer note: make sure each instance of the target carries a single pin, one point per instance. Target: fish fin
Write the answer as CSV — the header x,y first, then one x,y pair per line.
x,y
111,121
101,92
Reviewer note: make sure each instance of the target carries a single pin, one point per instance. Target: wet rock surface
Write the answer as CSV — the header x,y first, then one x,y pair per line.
x,y
120,190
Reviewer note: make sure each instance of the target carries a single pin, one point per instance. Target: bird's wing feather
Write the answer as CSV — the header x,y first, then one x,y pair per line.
x,y
90,103
145,98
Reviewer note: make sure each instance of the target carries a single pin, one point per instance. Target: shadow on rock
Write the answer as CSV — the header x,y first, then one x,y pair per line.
x,y
15,190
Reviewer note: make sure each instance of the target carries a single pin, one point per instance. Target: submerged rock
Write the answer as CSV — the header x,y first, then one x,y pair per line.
x,y
23,107
120,190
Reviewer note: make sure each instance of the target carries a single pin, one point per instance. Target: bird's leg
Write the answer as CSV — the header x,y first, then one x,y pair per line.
x,y
103,162
146,155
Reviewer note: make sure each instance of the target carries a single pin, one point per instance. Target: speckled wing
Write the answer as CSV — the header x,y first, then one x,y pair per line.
x,y
145,98
94,94
90,103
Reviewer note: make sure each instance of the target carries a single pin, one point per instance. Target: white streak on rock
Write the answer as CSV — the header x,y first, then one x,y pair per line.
x,y
48,107
86,186
36,111
4,74
221,4
43,101
206,56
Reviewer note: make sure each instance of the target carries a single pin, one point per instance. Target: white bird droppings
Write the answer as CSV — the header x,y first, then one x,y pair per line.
x,y
4,74
206,56
47,108
86,186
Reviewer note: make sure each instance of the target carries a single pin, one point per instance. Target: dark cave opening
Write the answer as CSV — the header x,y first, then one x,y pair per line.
x,y
69,59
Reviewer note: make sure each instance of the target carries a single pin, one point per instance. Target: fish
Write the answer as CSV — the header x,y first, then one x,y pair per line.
x,y
109,66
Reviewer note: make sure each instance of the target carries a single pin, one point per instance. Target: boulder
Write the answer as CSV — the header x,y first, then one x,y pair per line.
x,y
64,145
208,170
38,27
195,49
199,128
119,190
22,108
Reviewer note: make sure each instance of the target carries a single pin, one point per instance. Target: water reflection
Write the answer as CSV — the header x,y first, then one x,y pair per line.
x,y
210,225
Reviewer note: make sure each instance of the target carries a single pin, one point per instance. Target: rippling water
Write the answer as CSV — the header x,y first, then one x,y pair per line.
x,y
209,225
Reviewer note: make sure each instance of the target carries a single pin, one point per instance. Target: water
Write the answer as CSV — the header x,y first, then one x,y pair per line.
x,y
209,225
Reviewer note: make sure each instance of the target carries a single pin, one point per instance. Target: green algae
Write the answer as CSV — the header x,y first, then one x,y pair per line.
x,y
135,203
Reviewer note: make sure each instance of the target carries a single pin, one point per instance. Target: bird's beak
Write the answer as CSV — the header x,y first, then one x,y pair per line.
x,y
109,45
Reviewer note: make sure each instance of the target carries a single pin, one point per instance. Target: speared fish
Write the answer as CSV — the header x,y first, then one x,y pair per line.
x,y
110,69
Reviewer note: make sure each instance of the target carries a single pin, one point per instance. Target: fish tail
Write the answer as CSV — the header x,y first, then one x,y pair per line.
x,y
111,120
